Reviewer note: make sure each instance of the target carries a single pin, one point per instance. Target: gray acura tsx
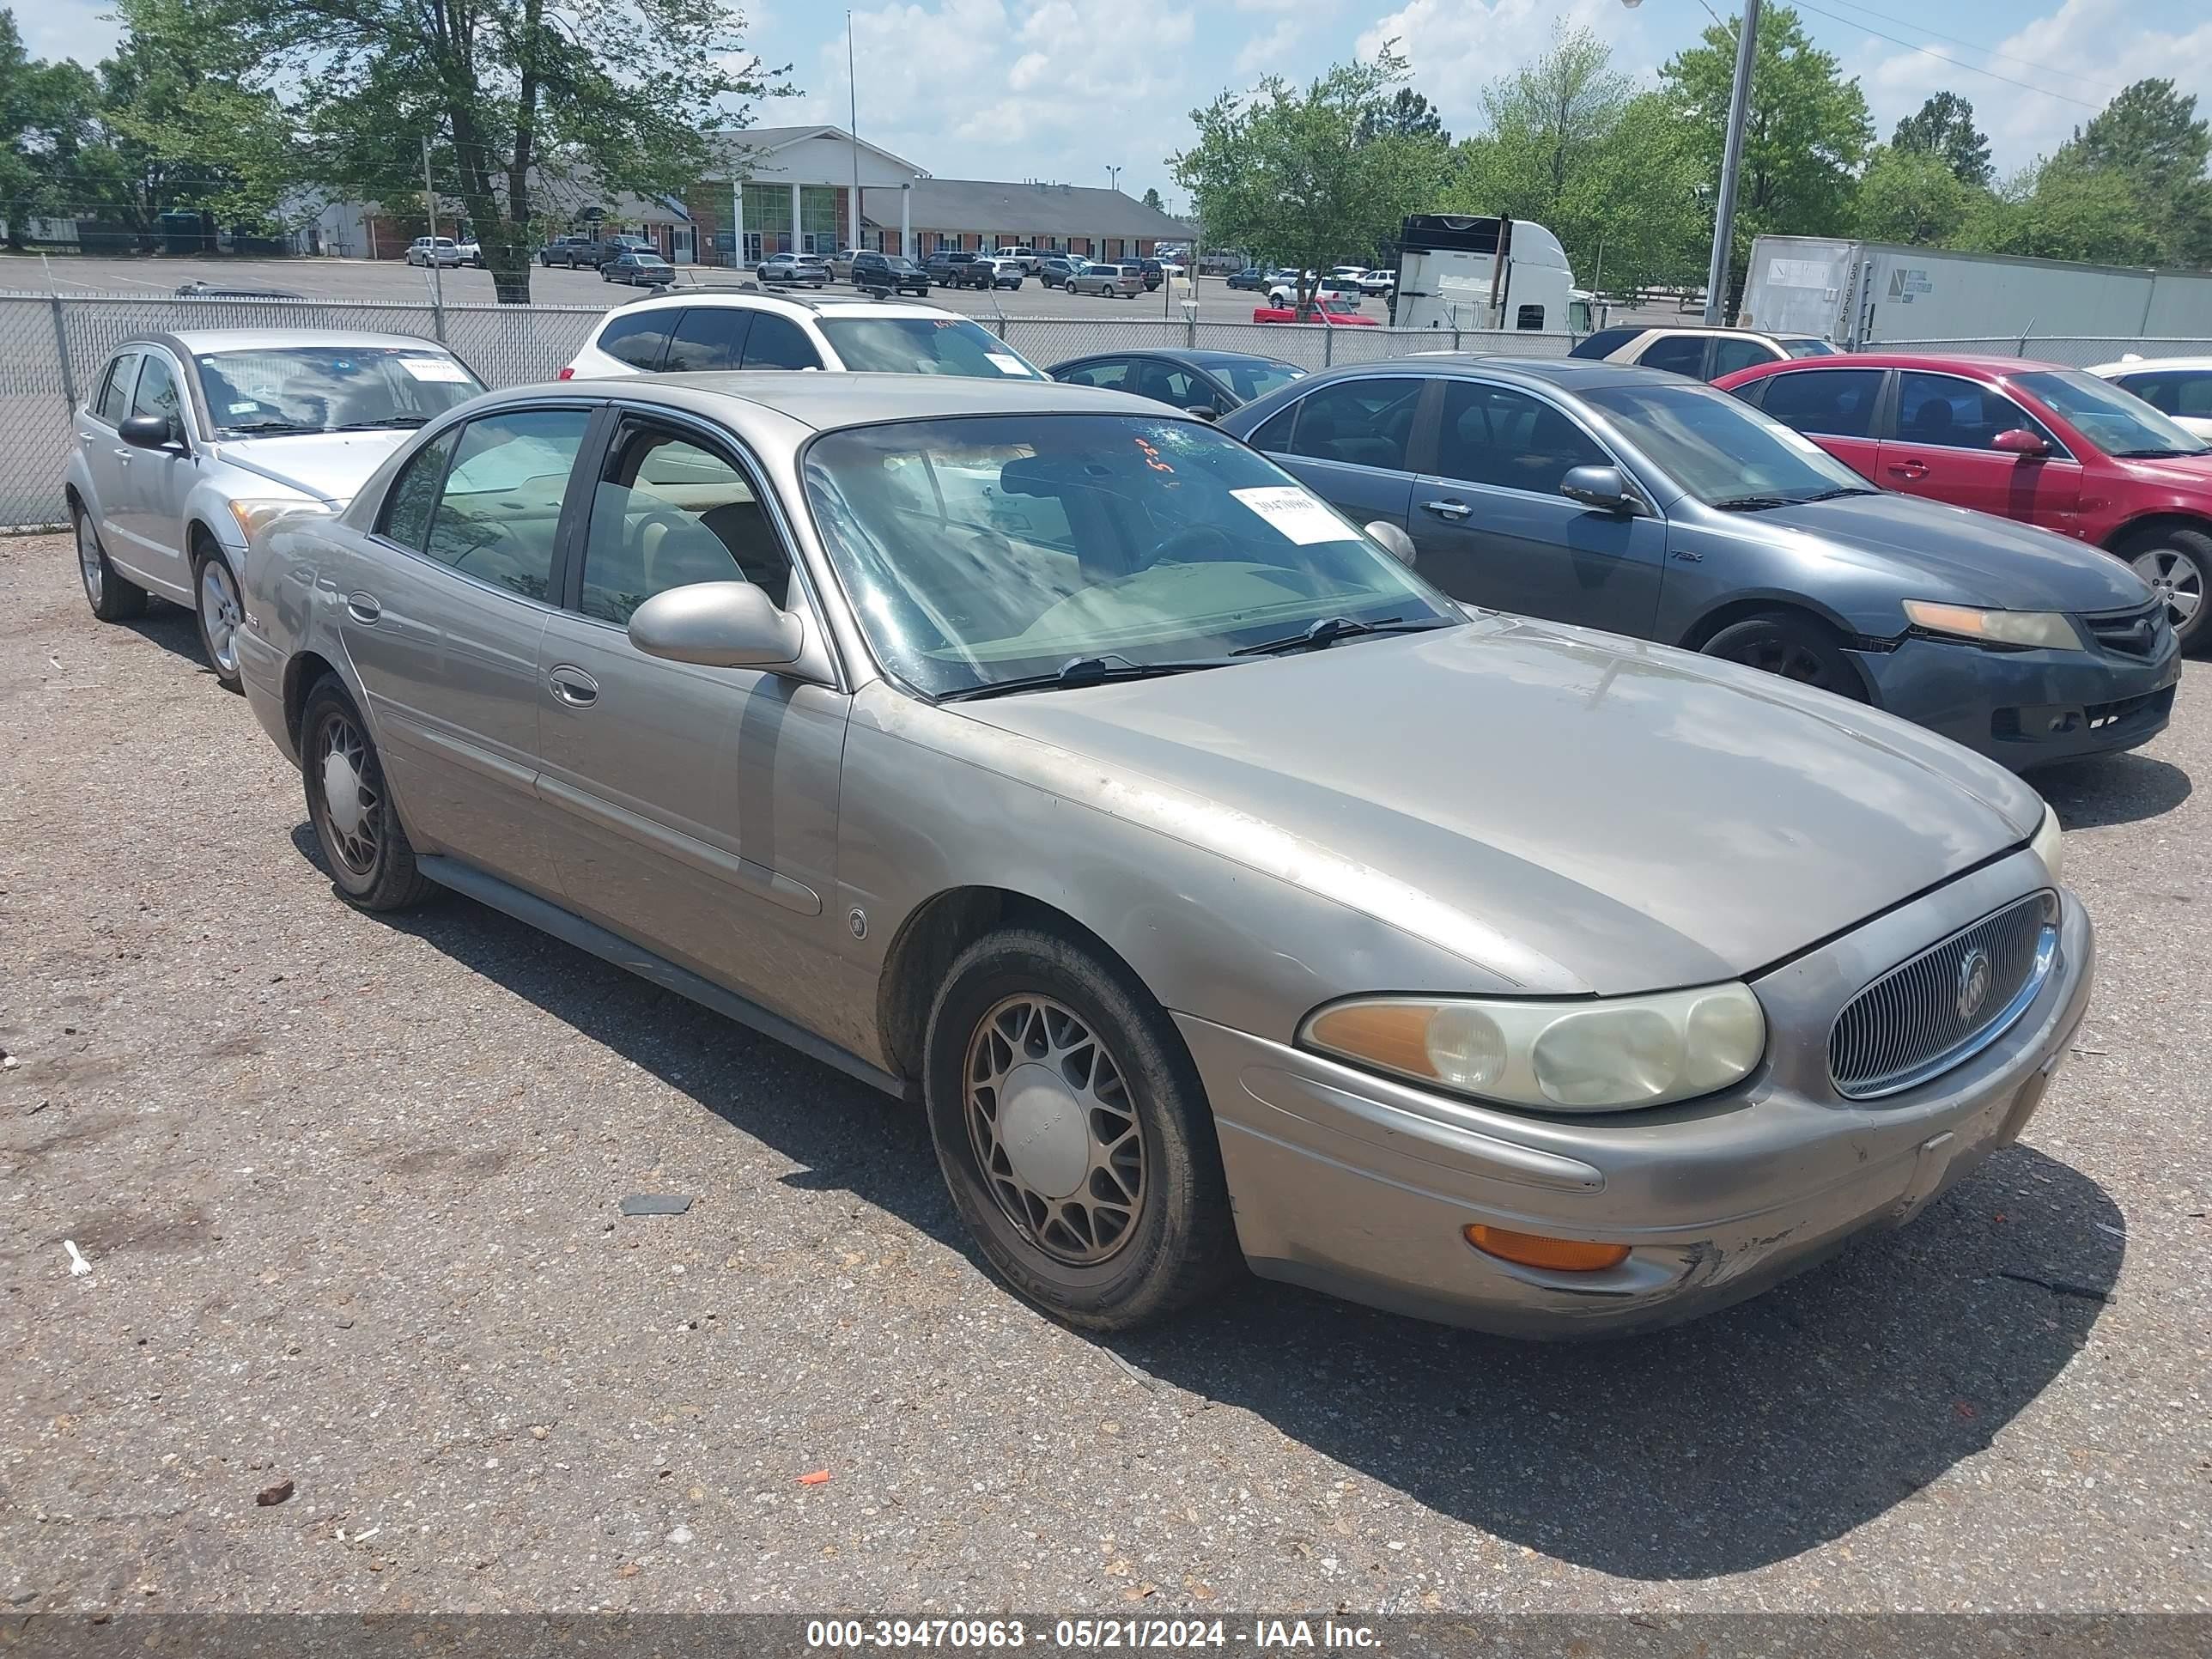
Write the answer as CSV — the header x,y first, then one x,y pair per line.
x,y
1221,891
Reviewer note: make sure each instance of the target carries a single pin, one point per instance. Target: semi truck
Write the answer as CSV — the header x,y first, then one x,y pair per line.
x,y
1471,272
1861,295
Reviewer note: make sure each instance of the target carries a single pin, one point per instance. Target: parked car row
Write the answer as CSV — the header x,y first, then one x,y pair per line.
x,y
1520,843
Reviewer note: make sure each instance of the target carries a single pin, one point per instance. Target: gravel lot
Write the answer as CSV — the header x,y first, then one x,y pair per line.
x,y
348,1187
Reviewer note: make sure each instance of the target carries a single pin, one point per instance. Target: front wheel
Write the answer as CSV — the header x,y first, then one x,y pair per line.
x,y
1793,647
356,823
220,614
2178,565
1074,1134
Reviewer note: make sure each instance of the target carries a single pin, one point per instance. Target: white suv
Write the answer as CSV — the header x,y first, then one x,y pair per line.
x,y
705,329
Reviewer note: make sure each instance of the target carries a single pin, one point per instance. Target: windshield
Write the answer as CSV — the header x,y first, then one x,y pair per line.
x,y
926,345
1804,348
1723,452
982,549
1253,379
331,388
2112,418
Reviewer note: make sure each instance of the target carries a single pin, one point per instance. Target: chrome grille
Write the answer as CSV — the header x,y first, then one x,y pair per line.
x,y
1923,1015
2137,633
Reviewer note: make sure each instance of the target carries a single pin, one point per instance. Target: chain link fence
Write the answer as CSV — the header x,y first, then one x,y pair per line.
x,y
52,348
2073,351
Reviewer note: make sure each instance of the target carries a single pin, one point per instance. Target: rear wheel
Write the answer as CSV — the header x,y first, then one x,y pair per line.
x,y
370,859
220,613
1793,647
1074,1134
2178,564
112,598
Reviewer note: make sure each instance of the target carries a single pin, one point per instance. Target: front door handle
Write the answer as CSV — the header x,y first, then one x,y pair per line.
x,y
1453,510
573,686
364,607
1909,469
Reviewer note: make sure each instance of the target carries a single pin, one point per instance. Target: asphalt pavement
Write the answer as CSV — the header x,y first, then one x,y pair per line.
x,y
348,1191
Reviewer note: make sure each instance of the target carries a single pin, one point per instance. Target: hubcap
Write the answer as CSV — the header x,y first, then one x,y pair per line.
x,y
350,795
88,558
220,614
1052,1126
2178,579
1772,654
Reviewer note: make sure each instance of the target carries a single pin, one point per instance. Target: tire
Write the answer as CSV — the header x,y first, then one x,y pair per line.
x,y
1025,1000
1796,647
219,610
372,870
113,597
2178,564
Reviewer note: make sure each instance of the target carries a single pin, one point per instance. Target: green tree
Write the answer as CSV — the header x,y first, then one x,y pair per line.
x,y
1944,128
47,122
1407,115
2150,135
1283,171
520,100
1152,200
1549,119
1805,134
1912,195
2055,211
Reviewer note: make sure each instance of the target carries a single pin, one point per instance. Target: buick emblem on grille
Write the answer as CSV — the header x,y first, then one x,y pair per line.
x,y
1973,983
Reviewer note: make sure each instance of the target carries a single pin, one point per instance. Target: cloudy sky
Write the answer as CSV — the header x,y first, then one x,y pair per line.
x,y
1063,89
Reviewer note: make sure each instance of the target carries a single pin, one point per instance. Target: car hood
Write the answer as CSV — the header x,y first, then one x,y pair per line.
x,y
332,467
1960,555
2190,473
1573,811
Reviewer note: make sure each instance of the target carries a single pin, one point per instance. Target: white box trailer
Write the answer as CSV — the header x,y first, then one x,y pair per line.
x,y
1861,294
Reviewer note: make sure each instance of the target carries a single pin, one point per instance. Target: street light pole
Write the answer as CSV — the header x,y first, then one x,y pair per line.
x,y
1113,178
1746,48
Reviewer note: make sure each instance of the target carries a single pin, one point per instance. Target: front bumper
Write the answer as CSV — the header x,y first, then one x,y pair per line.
x,y
1359,1186
2027,708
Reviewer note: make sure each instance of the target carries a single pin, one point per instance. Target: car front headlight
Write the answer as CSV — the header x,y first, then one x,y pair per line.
x,y
2049,845
2047,628
253,513
1607,1054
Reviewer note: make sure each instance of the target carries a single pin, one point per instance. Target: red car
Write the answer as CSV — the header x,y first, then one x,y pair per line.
x,y
1338,313
2039,442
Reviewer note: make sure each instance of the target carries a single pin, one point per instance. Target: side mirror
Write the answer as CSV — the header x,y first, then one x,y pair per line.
x,y
1393,540
1204,411
717,625
2020,441
149,431
1601,487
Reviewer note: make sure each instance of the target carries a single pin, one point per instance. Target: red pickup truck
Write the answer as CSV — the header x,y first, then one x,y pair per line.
x,y
1335,312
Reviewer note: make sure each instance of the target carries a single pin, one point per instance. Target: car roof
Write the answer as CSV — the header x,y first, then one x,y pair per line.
x,y
192,342
812,305
1981,361
828,401
1571,374
2141,365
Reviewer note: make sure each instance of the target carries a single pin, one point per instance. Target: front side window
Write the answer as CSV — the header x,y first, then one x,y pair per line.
x,y
113,402
776,342
500,508
2112,418
707,337
638,338
1719,449
982,549
1493,434
668,512
1362,423
925,345
332,388
1729,355
1836,402
157,389
1530,317
1946,412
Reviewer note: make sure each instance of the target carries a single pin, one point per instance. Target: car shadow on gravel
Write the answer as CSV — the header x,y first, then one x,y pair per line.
x,y
175,629
1712,1447
2107,789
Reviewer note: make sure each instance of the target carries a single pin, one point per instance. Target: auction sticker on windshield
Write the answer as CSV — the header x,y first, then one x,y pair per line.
x,y
1297,516
1006,363
434,368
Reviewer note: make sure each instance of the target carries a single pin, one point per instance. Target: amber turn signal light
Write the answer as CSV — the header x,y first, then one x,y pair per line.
x,y
1564,1256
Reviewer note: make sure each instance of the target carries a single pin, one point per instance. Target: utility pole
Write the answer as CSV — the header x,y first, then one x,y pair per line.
x,y
437,276
853,90
1746,48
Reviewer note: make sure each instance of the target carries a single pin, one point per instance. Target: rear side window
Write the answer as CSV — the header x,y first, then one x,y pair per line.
x,y
1113,373
113,401
500,502
778,342
707,337
1729,355
638,338
1362,423
1679,354
414,495
1831,403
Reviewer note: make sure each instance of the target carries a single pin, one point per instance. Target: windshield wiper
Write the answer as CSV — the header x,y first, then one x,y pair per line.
x,y
1753,503
273,426
388,421
1840,489
2155,454
1081,671
1329,630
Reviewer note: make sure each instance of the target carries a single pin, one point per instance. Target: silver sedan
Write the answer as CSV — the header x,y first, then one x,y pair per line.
x,y
188,443
1221,891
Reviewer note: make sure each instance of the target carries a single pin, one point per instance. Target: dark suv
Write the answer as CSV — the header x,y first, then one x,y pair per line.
x,y
1150,270
948,269
888,273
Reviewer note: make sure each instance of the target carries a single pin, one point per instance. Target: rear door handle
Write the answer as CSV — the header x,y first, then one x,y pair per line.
x,y
1909,469
363,607
573,686
1447,509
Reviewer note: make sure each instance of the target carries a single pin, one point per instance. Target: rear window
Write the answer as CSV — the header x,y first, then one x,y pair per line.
x,y
1605,341
638,338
